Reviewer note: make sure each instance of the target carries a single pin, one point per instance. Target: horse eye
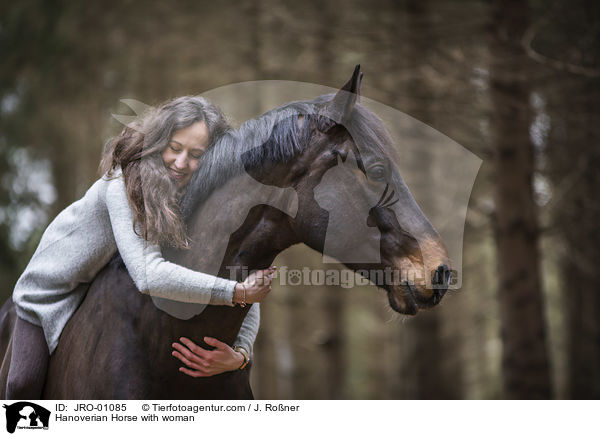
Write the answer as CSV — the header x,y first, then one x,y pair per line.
x,y
376,172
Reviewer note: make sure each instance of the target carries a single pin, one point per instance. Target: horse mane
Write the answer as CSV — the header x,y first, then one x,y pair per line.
x,y
274,137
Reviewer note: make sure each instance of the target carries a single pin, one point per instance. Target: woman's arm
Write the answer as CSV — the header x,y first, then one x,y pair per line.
x,y
152,274
205,363
249,329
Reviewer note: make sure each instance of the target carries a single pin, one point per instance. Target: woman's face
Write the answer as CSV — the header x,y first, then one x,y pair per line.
x,y
183,152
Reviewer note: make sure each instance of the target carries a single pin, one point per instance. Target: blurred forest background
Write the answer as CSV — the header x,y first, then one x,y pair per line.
x,y
515,82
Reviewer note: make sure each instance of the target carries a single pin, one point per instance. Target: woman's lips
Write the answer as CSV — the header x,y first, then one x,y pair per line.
x,y
180,178
176,174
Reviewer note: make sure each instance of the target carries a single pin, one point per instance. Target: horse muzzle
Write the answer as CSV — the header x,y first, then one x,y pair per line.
x,y
408,297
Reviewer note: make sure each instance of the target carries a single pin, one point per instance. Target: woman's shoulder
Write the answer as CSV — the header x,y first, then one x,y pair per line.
x,y
113,180
114,174
115,191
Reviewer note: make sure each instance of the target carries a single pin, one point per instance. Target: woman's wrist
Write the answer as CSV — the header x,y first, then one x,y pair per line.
x,y
239,359
244,357
239,294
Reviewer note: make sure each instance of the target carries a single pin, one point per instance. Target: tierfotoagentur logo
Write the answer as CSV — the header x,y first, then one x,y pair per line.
x,y
344,278
24,415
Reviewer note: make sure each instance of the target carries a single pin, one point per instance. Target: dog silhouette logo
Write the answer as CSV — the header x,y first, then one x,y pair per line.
x,y
350,236
26,415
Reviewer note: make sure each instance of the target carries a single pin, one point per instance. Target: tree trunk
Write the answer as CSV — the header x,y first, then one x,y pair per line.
x,y
575,158
524,357
425,373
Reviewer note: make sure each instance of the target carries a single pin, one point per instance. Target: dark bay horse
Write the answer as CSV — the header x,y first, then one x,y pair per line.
x,y
279,180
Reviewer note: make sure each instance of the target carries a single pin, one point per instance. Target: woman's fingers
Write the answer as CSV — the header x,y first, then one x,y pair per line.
x,y
204,363
258,285
216,343
201,360
199,351
263,276
191,357
186,361
264,280
195,374
222,359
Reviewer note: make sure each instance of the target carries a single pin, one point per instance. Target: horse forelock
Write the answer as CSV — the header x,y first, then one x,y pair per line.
x,y
276,137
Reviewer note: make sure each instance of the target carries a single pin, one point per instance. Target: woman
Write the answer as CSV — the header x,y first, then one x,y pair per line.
x,y
133,208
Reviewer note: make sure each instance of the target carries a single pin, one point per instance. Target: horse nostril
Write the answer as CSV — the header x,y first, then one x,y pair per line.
x,y
440,281
447,275
444,275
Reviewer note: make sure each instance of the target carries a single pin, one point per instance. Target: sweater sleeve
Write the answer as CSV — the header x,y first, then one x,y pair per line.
x,y
249,329
152,274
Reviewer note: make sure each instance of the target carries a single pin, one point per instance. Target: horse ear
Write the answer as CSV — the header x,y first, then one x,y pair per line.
x,y
338,110
353,85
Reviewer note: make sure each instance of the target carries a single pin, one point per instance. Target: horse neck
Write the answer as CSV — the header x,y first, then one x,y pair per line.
x,y
253,206
242,224
265,233
270,225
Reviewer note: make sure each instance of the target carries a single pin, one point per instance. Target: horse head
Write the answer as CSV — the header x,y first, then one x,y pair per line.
x,y
320,172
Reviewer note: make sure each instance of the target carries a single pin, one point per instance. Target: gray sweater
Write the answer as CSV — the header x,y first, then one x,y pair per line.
x,y
80,242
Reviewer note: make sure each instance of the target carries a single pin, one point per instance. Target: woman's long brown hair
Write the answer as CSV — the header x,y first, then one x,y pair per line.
x,y
153,195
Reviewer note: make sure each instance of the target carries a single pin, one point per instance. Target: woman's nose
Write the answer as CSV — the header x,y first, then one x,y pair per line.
x,y
181,161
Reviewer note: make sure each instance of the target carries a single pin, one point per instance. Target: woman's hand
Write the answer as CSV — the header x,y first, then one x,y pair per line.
x,y
255,288
205,363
